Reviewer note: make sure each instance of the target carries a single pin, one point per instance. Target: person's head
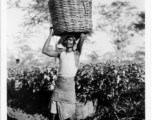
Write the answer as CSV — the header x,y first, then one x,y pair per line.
x,y
69,41
17,61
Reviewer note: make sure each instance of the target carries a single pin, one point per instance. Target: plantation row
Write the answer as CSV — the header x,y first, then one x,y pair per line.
x,y
117,91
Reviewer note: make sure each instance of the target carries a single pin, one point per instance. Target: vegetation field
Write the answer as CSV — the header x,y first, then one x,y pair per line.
x,y
116,91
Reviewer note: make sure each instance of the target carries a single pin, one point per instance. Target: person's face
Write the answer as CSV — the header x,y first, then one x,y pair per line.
x,y
70,42
17,61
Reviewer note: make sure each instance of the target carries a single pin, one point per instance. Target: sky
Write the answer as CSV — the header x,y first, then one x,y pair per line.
x,y
103,45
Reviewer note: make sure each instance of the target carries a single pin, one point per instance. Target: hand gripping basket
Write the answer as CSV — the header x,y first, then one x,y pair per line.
x,y
71,16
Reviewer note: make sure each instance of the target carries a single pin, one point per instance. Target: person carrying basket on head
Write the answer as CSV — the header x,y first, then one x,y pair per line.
x,y
63,98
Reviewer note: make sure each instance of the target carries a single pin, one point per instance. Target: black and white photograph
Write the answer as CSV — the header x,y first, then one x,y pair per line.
x,y
75,60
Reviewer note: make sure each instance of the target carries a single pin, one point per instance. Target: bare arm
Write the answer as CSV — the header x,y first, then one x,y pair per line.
x,y
80,43
51,53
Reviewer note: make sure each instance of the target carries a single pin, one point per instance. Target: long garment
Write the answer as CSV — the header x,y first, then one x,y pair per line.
x,y
64,95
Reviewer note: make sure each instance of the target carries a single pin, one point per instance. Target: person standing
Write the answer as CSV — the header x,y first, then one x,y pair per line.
x,y
63,98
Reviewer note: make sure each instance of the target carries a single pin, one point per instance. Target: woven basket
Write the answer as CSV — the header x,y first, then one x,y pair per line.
x,y
71,16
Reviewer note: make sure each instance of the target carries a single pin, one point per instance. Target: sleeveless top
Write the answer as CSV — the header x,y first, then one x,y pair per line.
x,y
67,64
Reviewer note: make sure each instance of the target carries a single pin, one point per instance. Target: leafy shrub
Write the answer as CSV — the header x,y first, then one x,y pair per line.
x,y
33,92
117,91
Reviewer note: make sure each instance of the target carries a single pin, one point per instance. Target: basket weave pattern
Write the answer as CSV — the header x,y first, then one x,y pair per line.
x,y
71,16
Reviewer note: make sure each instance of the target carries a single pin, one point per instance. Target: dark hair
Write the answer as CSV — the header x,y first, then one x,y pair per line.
x,y
66,38
17,60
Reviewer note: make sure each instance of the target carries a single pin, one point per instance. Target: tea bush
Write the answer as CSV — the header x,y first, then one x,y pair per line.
x,y
117,91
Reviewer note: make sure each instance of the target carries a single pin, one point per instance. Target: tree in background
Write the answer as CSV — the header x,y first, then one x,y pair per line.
x,y
117,21
108,56
37,11
139,55
140,24
37,17
28,56
139,27
94,56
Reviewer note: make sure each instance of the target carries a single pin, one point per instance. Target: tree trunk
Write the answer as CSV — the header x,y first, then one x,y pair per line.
x,y
118,51
118,56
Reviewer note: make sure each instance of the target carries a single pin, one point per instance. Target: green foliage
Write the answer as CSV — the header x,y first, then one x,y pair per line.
x,y
29,90
116,19
93,56
140,25
37,13
117,91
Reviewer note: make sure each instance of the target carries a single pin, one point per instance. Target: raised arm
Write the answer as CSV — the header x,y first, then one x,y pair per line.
x,y
80,43
46,51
